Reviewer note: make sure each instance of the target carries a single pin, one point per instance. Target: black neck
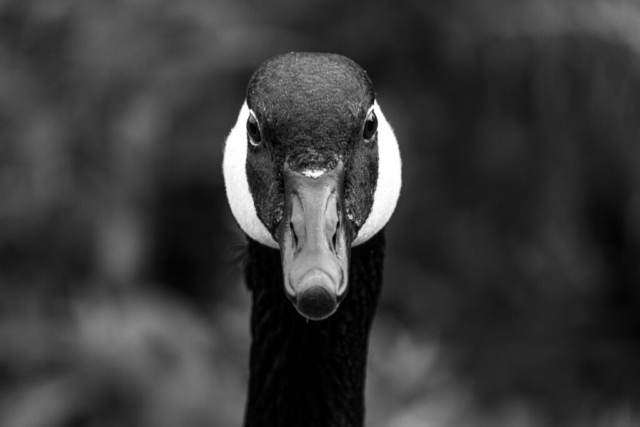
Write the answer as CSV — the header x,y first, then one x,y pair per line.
x,y
306,373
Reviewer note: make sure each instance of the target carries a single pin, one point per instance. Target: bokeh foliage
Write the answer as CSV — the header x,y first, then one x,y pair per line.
x,y
511,293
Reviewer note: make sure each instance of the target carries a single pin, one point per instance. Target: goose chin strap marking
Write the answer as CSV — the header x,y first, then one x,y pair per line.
x,y
235,178
242,204
389,180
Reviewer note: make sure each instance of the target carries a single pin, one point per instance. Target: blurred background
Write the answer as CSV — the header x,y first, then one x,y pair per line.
x,y
512,294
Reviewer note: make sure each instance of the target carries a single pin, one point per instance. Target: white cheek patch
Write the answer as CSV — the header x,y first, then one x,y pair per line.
x,y
389,180
234,169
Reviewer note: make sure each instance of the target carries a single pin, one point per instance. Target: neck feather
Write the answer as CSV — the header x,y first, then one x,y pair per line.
x,y
306,373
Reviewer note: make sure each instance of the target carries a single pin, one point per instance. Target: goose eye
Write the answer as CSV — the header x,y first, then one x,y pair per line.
x,y
370,126
253,130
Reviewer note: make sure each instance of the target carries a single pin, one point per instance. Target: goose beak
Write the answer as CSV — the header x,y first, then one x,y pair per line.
x,y
314,242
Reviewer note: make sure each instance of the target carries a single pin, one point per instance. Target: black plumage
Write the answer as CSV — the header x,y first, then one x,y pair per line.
x,y
306,373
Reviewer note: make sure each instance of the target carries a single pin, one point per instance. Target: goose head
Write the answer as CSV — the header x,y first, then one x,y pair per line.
x,y
312,168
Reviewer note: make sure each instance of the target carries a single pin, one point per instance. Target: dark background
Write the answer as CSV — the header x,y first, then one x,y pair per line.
x,y
512,291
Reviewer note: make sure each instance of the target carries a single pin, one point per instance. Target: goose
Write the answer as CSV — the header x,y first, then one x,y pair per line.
x,y
312,172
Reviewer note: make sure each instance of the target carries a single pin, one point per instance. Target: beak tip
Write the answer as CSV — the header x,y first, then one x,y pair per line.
x,y
316,302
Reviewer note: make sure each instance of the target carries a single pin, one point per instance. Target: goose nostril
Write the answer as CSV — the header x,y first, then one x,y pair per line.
x,y
294,235
334,239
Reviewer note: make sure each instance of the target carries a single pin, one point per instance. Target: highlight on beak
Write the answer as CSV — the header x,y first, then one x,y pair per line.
x,y
314,242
